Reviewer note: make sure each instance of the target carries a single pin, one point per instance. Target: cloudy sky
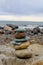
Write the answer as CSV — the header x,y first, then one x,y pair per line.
x,y
21,7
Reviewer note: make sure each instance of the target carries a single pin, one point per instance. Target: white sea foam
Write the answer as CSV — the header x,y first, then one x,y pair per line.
x,y
30,26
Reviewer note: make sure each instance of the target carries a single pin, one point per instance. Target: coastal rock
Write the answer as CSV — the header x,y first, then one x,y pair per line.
x,y
22,45
1,30
7,28
1,27
25,53
29,31
12,26
36,30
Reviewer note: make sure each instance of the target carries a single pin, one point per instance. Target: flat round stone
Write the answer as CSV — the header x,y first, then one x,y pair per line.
x,y
24,45
25,53
20,30
22,40
15,43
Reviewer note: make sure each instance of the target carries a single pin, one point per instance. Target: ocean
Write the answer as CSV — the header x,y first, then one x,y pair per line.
x,y
2,23
29,24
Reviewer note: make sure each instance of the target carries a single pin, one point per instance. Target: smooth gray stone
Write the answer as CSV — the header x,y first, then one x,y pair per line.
x,y
19,41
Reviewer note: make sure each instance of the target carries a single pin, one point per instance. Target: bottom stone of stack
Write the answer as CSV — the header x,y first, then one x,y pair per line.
x,y
25,53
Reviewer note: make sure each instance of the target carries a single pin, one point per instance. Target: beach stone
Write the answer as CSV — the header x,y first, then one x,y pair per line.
x,y
29,32
36,30
25,53
22,45
12,26
20,35
7,28
38,62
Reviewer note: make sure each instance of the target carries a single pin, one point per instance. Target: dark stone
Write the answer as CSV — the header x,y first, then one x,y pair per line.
x,y
1,30
1,27
12,26
36,30
36,54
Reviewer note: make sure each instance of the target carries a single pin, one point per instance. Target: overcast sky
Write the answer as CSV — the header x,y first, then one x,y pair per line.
x,y
21,7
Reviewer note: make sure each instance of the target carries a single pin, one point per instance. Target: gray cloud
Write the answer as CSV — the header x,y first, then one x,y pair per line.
x,y
21,7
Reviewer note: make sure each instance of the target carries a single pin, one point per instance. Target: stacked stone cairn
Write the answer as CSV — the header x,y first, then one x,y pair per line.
x,y
21,44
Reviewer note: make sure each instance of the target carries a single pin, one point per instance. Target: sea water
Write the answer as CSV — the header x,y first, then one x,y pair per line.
x,y
27,24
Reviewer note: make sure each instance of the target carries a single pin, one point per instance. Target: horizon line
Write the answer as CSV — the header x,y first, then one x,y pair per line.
x,y
21,18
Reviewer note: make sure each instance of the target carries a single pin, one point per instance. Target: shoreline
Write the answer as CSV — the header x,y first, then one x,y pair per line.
x,y
8,31
19,23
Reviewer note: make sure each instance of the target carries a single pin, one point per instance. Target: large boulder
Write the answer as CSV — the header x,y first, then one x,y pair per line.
x,y
7,28
12,26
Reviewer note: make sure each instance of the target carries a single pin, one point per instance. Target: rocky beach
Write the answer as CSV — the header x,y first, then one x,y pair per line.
x,y
10,56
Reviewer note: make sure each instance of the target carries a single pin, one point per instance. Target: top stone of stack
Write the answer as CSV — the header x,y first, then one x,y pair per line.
x,y
20,30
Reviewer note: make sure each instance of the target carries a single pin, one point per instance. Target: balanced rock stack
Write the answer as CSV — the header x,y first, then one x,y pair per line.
x,y
20,43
